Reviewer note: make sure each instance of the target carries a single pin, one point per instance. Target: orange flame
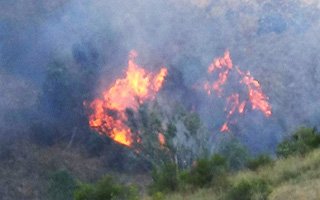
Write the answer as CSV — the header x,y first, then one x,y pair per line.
x,y
256,97
224,64
161,139
225,127
108,113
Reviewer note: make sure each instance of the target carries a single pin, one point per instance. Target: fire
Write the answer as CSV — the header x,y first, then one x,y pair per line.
x,y
161,139
235,103
225,127
256,96
224,65
109,111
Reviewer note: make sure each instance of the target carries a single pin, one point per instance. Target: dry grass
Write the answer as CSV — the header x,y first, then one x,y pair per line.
x,y
202,194
305,190
292,178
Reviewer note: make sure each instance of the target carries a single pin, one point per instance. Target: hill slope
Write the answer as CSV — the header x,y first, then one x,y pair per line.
x,y
292,178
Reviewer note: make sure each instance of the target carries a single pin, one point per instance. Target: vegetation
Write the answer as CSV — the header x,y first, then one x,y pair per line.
x,y
264,177
261,160
165,179
208,172
105,189
245,189
296,177
301,142
61,186
235,153
204,173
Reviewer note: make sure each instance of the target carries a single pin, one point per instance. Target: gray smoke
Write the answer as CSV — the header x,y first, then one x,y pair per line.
x,y
277,41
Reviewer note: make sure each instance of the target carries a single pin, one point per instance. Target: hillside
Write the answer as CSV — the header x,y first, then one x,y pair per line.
x,y
293,178
35,172
173,99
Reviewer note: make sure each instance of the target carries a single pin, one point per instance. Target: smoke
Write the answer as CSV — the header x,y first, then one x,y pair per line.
x,y
276,40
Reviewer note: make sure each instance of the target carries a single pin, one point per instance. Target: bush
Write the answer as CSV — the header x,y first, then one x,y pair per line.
x,y
158,196
61,186
262,160
249,189
207,171
204,172
235,153
165,179
301,142
105,189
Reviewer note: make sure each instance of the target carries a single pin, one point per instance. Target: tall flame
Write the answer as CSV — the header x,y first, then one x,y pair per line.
x,y
109,112
234,104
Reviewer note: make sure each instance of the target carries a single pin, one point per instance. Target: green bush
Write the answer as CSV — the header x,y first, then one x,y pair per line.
x,y
249,189
207,171
301,142
105,189
165,179
158,196
235,153
85,192
61,186
261,160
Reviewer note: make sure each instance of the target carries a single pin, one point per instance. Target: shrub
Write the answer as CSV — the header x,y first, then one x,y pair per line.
x,y
235,153
105,189
205,171
165,179
84,192
158,196
262,160
249,189
61,186
301,142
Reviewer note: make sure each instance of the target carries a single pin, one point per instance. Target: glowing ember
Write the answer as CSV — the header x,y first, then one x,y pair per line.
x,y
225,127
161,139
258,100
108,113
